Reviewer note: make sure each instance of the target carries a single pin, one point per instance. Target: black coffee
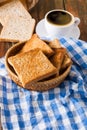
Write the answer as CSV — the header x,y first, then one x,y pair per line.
x,y
59,18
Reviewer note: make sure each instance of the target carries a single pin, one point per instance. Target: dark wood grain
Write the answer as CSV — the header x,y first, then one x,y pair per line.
x,y
43,6
4,47
77,7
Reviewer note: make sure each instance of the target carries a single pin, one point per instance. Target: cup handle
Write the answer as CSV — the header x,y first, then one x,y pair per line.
x,y
77,21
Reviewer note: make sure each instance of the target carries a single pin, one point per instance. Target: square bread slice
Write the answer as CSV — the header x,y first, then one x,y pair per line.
x,y
15,7
58,58
17,29
36,42
32,66
18,25
55,44
66,62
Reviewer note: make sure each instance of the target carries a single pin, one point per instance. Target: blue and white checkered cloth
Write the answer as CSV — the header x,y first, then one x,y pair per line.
x,y
61,108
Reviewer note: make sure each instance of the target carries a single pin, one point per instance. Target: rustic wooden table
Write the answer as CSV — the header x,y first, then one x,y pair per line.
x,y
76,7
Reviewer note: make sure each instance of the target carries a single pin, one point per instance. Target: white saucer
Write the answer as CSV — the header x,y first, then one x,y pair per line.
x,y
41,32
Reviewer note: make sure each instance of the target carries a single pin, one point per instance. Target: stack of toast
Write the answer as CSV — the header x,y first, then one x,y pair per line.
x,y
39,61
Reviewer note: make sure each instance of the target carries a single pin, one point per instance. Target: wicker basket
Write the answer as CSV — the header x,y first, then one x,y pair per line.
x,y
37,86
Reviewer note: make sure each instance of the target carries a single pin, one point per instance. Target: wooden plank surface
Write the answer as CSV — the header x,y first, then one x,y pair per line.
x,y
79,9
43,6
76,7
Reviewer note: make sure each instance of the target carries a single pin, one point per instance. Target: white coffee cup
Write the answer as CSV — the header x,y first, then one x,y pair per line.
x,y
60,22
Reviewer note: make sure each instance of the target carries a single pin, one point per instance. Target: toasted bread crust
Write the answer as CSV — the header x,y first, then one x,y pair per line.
x,y
36,42
55,43
66,62
32,66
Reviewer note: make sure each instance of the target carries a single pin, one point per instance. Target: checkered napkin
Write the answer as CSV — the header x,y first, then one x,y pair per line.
x,y
61,108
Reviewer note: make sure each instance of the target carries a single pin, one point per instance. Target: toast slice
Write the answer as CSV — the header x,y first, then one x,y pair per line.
x,y
36,42
62,49
57,60
18,25
58,57
32,66
17,29
15,7
67,61
55,43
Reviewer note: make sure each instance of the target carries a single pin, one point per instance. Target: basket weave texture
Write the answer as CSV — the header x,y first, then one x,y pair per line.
x,y
37,86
